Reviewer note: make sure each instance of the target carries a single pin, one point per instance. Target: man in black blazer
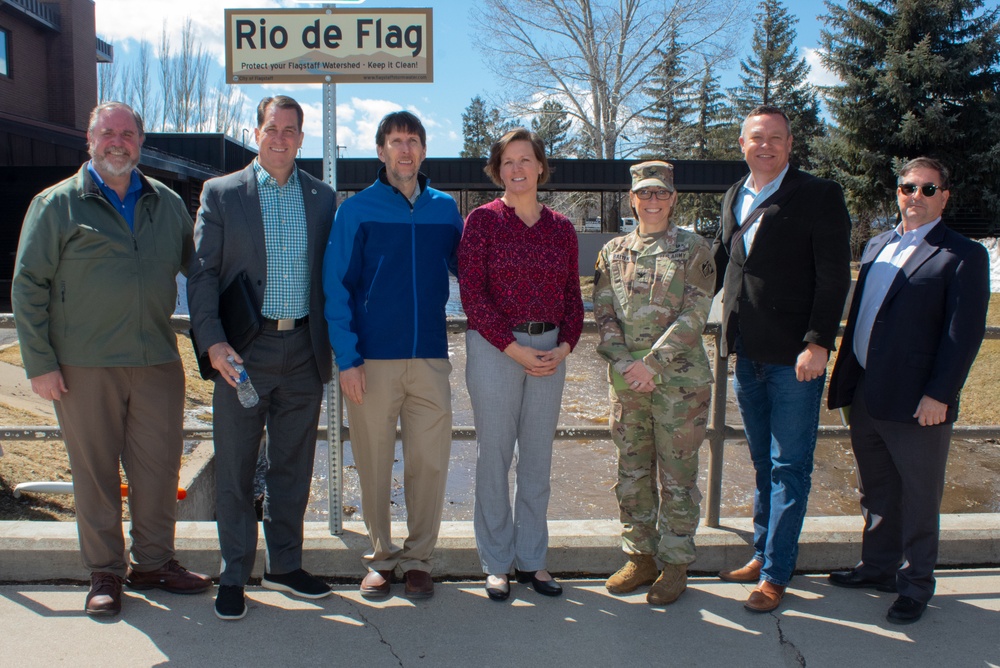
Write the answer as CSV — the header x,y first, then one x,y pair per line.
x,y
915,326
784,244
270,220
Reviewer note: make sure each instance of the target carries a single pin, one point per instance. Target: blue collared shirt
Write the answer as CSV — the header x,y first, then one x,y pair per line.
x,y
747,201
286,292
880,277
125,207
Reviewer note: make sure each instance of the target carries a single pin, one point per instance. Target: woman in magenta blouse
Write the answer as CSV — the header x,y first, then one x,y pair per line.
x,y
517,267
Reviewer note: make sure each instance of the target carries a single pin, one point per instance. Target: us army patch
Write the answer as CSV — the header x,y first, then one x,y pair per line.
x,y
707,268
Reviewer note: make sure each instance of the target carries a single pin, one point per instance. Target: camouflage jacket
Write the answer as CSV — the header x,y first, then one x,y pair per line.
x,y
657,297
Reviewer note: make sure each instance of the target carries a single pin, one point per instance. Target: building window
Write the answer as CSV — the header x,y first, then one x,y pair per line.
x,y
4,53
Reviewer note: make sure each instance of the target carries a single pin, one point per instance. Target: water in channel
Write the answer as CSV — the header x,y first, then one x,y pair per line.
x,y
584,472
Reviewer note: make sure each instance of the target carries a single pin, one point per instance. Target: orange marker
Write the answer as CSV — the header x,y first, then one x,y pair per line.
x,y
181,492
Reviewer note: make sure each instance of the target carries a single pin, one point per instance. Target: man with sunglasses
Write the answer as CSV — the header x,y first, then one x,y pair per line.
x,y
784,251
915,325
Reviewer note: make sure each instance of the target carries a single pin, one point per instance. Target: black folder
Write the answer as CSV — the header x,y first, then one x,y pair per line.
x,y
241,321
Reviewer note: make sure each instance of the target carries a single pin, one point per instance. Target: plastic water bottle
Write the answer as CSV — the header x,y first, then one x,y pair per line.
x,y
244,388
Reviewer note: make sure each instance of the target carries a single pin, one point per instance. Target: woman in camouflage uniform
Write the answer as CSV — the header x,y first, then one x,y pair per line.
x,y
652,293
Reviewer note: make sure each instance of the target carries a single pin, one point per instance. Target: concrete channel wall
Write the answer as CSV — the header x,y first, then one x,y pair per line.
x,y
43,551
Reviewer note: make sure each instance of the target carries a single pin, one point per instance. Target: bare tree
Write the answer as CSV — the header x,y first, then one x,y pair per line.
x,y
189,82
138,90
230,109
109,82
201,112
593,56
166,77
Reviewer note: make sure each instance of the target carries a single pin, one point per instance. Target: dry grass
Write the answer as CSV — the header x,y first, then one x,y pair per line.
x,y
12,355
977,405
31,461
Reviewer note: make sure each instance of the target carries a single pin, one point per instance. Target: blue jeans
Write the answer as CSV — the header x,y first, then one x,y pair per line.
x,y
780,415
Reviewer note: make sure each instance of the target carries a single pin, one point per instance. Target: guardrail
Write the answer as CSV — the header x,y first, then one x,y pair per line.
x,y
718,431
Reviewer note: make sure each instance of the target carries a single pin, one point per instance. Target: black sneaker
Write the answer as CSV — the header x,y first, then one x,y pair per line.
x,y
298,583
230,602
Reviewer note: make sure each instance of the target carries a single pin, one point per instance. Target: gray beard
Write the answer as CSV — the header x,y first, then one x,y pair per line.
x,y
104,166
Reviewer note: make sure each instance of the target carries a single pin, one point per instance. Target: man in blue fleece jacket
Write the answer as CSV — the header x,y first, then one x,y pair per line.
x,y
385,276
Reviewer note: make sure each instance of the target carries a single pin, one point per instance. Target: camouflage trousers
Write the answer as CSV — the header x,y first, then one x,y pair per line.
x,y
657,435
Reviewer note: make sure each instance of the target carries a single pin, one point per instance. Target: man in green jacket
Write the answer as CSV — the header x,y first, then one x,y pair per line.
x,y
93,291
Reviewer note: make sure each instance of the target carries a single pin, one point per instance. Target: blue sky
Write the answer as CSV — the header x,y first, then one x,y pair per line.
x,y
459,71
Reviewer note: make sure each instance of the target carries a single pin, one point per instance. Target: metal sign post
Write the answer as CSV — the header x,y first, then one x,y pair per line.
x,y
334,405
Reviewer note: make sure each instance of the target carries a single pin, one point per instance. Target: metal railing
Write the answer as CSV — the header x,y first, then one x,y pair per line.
x,y
717,434
46,13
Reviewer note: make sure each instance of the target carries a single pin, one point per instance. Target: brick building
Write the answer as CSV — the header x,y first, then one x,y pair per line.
x,y
48,86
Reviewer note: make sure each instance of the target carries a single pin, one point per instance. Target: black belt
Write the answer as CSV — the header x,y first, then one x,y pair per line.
x,y
285,324
534,328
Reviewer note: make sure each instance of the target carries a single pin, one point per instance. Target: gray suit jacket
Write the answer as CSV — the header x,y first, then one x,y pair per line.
x,y
229,238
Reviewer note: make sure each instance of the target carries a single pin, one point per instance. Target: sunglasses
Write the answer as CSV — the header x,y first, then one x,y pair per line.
x,y
927,190
648,194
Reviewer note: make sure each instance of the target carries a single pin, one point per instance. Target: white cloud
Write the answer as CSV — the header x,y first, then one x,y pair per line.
x,y
312,122
119,20
818,74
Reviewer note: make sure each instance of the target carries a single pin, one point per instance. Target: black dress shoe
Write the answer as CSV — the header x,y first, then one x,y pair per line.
x,y
498,593
905,610
543,587
852,579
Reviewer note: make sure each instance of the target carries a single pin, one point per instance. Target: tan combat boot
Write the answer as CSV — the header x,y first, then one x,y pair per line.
x,y
640,570
669,586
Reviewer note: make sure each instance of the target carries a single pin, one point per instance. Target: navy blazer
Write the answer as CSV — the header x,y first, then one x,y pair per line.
x,y
927,332
229,238
790,290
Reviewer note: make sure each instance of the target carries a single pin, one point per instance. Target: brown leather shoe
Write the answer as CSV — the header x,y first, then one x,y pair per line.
x,y
375,584
105,596
418,584
765,598
170,577
748,573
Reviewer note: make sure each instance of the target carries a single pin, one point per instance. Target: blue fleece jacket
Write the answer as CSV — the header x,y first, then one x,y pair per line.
x,y
385,274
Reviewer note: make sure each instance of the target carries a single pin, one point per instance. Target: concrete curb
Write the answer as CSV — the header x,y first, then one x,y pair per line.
x,y
39,551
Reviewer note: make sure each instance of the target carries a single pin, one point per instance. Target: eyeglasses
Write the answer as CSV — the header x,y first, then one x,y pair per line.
x,y
648,194
927,190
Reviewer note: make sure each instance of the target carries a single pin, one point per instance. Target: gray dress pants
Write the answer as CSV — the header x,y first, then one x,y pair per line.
x,y
513,412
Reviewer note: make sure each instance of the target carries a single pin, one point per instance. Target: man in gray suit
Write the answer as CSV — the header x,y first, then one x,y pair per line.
x,y
270,220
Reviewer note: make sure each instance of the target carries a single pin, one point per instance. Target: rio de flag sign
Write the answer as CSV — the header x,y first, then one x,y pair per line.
x,y
328,46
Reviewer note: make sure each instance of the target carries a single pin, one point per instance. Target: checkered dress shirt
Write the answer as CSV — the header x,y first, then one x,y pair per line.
x,y
286,293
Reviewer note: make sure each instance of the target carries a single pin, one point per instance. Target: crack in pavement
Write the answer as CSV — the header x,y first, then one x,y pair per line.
x,y
789,651
381,638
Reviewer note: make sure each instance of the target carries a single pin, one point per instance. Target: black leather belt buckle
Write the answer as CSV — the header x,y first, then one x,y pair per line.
x,y
534,328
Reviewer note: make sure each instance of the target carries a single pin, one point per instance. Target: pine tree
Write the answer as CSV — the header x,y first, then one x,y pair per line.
x,y
773,74
919,78
712,137
713,132
552,124
481,126
666,122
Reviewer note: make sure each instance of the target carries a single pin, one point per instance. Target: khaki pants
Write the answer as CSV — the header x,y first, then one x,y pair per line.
x,y
417,392
131,415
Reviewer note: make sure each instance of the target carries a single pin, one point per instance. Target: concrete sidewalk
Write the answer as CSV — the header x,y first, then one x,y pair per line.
x,y
817,625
